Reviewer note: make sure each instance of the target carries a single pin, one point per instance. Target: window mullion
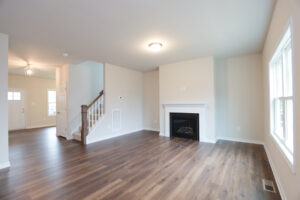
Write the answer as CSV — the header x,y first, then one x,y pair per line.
x,y
282,99
284,120
282,74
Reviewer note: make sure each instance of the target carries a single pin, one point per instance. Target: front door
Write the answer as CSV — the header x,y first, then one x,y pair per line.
x,y
16,109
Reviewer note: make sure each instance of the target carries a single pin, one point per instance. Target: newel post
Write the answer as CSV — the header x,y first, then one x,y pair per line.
x,y
84,128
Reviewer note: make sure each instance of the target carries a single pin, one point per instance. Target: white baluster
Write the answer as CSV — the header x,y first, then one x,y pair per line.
x,y
95,110
98,111
93,115
89,118
102,108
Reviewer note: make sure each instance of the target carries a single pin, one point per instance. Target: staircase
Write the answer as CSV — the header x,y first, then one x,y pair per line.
x,y
90,115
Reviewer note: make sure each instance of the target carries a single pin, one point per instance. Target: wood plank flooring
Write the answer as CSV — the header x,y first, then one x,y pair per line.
x,y
132,167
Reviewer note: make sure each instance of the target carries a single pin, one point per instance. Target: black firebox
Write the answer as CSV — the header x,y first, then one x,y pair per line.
x,y
185,125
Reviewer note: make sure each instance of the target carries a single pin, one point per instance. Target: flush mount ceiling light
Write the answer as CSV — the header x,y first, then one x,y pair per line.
x,y
155,46
28,71
65,54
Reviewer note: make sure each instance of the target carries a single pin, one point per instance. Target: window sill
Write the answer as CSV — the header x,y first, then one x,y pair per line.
x,y
287,156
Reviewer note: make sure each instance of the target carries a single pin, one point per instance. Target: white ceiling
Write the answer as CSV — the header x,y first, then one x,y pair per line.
x,y
118,31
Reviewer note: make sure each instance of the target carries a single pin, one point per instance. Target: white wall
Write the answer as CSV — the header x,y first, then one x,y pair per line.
x,y
283,10
189,82
36,101
86,82
127,84
151,100
239,98
4,160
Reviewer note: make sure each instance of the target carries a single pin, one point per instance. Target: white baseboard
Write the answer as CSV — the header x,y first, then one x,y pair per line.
x,y
151,129
5,165
241,140
280,188
93,140
208,141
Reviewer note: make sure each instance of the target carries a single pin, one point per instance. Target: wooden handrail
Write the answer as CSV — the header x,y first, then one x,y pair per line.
x,y
85,123
98,97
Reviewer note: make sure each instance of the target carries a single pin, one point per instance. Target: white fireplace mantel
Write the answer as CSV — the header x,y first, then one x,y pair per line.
x,y
200,109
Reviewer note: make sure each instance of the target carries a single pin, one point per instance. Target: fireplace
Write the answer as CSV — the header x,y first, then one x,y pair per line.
x,y
185,125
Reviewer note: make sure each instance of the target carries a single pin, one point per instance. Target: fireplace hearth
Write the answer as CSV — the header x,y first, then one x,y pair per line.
x,y
185,125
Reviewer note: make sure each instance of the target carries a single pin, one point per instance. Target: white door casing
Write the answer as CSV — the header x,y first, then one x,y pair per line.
x,y
61,113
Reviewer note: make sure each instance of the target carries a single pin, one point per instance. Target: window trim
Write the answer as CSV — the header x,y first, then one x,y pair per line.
x,y
13,95
277,141
48,103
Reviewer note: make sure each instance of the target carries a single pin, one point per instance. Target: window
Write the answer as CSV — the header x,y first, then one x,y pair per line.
x,y
51,102
10,96
281,96
16,96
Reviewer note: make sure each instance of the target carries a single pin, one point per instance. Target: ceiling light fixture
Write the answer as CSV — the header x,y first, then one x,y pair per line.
x,y
65,54
28,70
155,46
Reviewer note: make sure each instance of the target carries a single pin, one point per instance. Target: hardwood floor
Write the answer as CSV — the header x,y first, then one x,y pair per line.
x,y
136,166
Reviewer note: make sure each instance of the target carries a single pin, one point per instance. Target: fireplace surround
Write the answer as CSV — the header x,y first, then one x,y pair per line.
x,y
206,119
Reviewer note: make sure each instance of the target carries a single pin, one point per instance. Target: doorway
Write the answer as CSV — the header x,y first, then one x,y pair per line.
x,y
31,99
16,109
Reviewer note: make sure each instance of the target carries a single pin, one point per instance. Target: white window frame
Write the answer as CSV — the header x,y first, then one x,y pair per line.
x,y
290,158
13,93
50,115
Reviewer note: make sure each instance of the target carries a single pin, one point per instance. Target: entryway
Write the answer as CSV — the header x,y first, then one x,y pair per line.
x,y
16,109
31,98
